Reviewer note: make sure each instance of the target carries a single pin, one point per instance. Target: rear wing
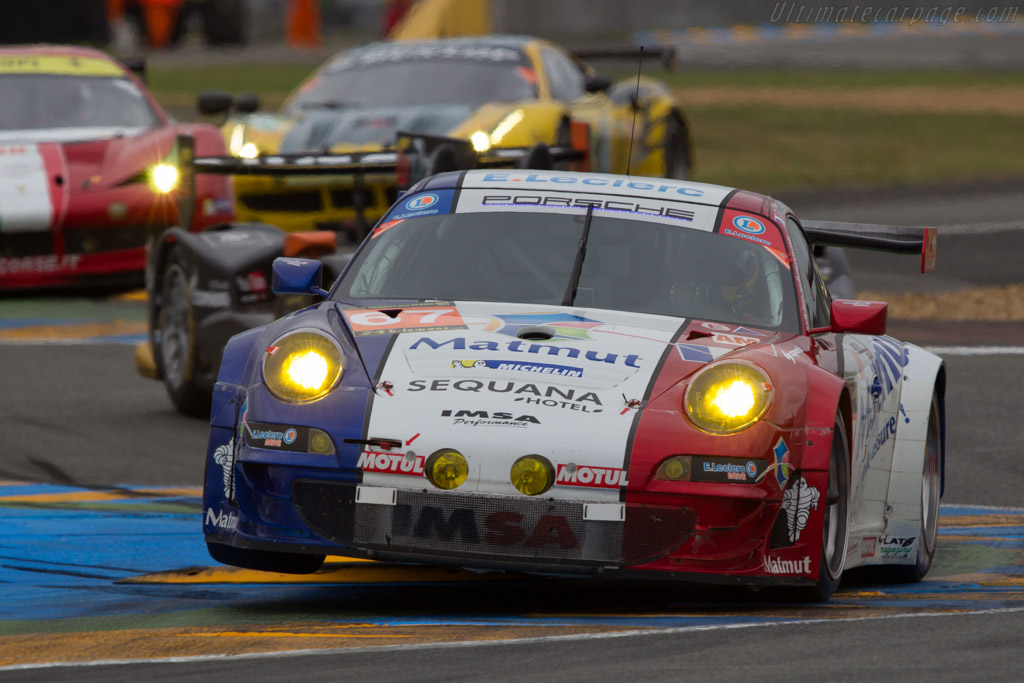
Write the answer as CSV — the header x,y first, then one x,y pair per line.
x,y
414,157
894,238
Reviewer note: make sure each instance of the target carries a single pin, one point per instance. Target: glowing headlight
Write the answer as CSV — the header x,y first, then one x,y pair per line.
x,y
727,397
249,151
447,469
302,366
164,178
532,474
481,141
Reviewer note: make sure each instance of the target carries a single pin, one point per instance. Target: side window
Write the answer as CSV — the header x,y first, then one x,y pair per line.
x,y
564,76
816,299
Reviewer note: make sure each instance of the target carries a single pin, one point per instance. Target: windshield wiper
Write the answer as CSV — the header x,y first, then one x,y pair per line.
x,y
577,267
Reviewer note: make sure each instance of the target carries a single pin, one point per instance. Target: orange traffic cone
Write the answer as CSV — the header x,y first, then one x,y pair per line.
x,y
302,25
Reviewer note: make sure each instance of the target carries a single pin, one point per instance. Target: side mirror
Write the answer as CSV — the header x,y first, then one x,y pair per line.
x,y
596,84
213,102
859,317
297,276
247,103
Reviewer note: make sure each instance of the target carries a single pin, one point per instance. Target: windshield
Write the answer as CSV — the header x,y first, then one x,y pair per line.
x,y
447,81
34,101
629,265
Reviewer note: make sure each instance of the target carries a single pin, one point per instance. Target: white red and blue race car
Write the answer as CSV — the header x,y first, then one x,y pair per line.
x,y
582,374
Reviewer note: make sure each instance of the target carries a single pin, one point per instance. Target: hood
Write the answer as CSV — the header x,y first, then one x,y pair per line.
x,y
480,379
324,129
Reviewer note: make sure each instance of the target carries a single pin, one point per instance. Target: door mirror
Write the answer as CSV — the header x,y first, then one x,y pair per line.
x,y
859,317
247,103
596,84
297,276
211,102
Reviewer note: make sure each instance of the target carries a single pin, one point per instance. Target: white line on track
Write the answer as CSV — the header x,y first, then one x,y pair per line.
x,y
976,350
491,643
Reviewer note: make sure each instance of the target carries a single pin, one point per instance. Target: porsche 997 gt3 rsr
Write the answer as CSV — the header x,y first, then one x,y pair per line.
x,y
582,374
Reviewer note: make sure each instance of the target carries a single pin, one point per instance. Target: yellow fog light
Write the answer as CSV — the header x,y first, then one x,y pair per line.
x,y
447,469
727,397
676,468
320,442
302,366
481,141
532,474
164,178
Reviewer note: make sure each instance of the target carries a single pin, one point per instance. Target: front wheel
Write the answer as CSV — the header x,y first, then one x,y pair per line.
x,y
174,340
837,518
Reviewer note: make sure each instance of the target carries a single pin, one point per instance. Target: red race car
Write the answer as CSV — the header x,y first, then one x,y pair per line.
x,y
86,169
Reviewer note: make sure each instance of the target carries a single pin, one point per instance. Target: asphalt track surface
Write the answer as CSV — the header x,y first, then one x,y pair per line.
x,y
101,559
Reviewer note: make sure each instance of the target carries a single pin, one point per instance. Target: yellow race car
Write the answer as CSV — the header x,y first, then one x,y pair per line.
x,y
449,104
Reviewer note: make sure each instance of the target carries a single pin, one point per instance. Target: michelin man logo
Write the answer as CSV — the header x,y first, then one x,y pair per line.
x,y
225,457
798,501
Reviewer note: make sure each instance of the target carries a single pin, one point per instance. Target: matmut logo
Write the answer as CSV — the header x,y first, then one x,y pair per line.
x,y
391,463
775,566
593,477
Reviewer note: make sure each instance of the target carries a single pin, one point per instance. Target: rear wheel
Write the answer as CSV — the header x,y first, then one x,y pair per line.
x,y
931,489
174,340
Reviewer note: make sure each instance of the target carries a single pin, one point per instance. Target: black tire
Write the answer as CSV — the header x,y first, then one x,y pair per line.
x,y
224,22
174,339
931,489
676,150
265,561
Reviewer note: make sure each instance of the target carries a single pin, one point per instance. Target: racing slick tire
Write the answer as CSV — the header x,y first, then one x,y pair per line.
x,y
174,339
676,151
264,561
835,526
931,489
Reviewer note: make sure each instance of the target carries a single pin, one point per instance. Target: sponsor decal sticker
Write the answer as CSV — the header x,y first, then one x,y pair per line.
x,y
797,503
782,468
590,477
733,339
749,225
529,347
484,418
697,353
465,526
867,546
49,263
897,547
408,464
562,182
420,202
423,317
725,469
776,566
564,325
224,455
638,208
222,520
519,366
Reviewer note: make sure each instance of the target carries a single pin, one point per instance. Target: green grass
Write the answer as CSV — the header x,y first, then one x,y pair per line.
x,y
764,148
773,149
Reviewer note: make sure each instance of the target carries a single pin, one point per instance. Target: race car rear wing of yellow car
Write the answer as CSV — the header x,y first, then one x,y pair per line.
x,y
413,157
894,238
